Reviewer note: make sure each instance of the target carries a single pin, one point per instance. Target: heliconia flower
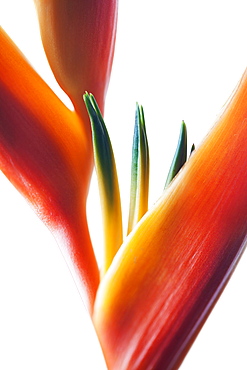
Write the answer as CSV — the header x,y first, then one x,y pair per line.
x,y
79,38
108,183
45,153
167,276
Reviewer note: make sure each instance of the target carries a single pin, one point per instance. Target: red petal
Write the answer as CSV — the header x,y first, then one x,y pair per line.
x,y
167,277
45,153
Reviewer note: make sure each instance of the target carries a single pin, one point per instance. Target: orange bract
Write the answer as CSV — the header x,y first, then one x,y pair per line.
x,y
79,38
45,153
168,275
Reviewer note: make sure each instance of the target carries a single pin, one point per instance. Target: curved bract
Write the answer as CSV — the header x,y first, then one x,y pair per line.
x,y
79,38
45,153
169,273
164,280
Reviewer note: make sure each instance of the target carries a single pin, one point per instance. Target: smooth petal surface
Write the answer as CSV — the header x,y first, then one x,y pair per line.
x,y
45,153
168,275
79,38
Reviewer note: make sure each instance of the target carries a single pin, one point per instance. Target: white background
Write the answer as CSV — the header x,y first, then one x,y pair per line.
x,y
180,60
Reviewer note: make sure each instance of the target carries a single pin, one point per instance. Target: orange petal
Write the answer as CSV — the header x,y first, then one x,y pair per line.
x,y
44,152
79,38
167,277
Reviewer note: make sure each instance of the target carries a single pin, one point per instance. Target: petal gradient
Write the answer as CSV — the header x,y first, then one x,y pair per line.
x,y
107,182
166,278
79,38
45,153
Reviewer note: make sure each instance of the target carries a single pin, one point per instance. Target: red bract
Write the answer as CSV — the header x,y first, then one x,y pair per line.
x,y
168,275
45,149
45,153
79,38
